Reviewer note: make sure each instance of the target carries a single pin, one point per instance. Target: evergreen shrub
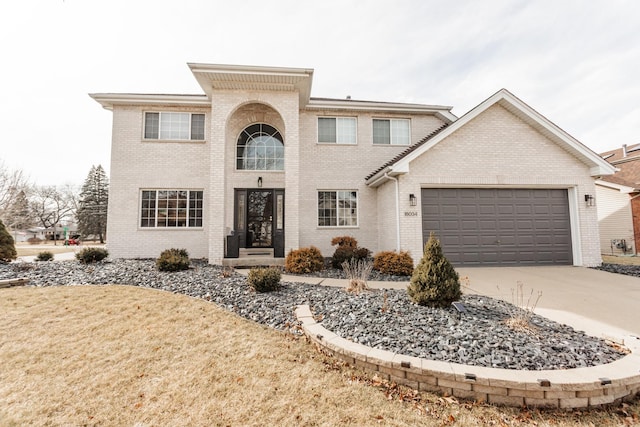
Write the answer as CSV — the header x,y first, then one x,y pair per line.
x,y
394,263
90,255
434,281
44,256
264,279
304,260
7,245
347,249
173,260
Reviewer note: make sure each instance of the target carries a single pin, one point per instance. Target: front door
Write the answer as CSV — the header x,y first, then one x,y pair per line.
x,y
259,219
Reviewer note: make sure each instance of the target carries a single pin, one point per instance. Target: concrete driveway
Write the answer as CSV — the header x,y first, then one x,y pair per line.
x,y
596,301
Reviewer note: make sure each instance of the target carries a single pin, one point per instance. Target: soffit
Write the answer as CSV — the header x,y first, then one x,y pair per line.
x,y
271,79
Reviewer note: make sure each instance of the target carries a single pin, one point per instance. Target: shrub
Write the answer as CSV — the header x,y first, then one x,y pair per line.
x,y
264,279
7,245
391,262
44,256
304,260
89,255
434,281
347,250
34,240
173,260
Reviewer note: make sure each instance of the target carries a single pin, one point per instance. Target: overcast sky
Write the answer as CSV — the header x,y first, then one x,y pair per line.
x,y
576,62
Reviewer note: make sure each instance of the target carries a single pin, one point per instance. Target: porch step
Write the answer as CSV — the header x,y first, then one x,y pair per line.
x,y
256,252
252,261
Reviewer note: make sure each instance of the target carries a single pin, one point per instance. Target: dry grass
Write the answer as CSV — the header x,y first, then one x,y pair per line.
x,y
31,251
117,355
624,260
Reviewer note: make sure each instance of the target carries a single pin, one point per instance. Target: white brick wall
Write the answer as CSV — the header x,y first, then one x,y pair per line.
x,y
498,149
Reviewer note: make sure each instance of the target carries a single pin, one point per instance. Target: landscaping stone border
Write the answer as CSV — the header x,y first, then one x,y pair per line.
x,y
570,388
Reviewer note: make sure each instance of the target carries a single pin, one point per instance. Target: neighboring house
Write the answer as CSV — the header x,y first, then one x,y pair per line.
x,y
618,202
255,163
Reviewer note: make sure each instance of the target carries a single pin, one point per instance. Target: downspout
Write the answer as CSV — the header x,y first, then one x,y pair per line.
x,y
386,175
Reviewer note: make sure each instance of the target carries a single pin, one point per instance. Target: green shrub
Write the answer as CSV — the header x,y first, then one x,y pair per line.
x,y
434,281
44,256
264,279
89,255
347,250
7,246
391,262
173,260
304,260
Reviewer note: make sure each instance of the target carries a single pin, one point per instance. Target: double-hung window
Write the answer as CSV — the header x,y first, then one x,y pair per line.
x,y
391,132
171,208
338,208
337,130
174,126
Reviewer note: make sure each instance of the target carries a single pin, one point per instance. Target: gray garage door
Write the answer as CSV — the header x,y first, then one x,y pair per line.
x,y
499,226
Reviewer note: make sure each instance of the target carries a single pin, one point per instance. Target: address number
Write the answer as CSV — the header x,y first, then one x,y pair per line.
x,y
411,213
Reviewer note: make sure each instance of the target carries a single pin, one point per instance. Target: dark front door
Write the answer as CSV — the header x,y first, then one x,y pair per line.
x,y
259,219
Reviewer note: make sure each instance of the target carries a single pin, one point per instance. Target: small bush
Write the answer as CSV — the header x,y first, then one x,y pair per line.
x,y
391,262
347,250
264,279
173,260
34,241
434,281
90,255
304,260
44,256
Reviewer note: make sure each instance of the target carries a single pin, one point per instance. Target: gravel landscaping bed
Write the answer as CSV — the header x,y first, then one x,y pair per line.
x,y
629,270
384,319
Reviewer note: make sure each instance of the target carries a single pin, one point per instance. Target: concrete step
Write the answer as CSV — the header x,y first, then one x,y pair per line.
x,y
253,261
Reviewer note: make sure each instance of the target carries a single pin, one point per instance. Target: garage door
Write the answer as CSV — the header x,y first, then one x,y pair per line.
x,y
499,226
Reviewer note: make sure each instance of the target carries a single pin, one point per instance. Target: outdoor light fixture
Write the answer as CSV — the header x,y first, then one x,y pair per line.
x,y
259,182
412,199
589,200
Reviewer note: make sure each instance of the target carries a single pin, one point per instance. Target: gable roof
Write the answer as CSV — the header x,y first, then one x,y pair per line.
x,y
504,98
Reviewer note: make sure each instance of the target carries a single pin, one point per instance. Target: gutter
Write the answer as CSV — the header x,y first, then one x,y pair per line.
x,y
386,175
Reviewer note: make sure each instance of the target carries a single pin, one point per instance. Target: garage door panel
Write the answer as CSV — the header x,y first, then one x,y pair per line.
x,y
499,226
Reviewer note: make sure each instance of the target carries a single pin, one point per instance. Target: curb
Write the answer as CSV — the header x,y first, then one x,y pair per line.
x,y
570,388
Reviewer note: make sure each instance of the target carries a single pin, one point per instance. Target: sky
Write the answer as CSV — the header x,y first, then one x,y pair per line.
x,y
575,62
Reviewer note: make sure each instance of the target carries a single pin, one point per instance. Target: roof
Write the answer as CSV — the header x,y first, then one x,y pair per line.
x,y
401,164
627,160
108,100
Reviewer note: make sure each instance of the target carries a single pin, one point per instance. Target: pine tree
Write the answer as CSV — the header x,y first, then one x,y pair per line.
x,y
19,215
7,246
92,210
434,281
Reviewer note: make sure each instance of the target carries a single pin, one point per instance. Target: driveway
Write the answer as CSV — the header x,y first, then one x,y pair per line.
x,y
595,301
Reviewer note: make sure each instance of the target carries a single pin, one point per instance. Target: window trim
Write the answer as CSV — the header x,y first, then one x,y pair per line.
x,y
161,112
235,155
390,120
355,121
337,226
188,208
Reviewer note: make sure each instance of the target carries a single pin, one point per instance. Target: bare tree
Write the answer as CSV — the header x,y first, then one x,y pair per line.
x,y
51,206
12,183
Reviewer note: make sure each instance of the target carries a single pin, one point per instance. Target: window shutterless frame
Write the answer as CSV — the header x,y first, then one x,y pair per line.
x,y
171,208
391,131
337,209
173,126
337,130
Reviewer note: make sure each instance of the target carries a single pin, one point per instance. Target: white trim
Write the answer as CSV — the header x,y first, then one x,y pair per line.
x,y
574,220
108,100
325,227
621,188
444,112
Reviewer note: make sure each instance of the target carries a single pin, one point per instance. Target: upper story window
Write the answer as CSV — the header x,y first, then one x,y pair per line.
x,y
391,131
174,126
260,148
337,130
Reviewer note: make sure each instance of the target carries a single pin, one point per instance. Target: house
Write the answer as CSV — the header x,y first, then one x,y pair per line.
x,y
618,204
256,166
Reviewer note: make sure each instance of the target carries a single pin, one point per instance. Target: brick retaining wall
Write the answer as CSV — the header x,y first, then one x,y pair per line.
x,y
571,388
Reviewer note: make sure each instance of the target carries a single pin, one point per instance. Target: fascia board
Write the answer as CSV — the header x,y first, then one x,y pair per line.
x,y
108,100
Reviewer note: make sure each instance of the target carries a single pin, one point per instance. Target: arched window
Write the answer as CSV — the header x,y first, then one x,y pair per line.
x,y
260,148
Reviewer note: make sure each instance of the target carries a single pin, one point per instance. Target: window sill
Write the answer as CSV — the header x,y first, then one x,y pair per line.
x,y
181,141
333,144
